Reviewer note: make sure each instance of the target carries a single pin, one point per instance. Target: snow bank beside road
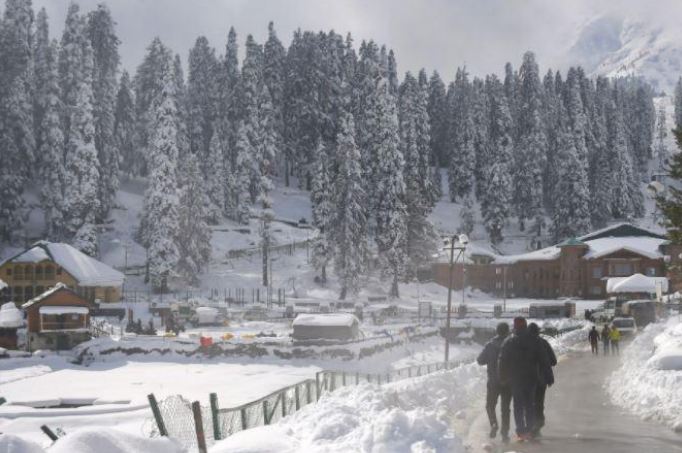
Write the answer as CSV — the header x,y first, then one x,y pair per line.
x,y
412,415
648,383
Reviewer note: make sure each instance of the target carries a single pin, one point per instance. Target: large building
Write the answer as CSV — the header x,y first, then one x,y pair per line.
x,y
44,264
578,267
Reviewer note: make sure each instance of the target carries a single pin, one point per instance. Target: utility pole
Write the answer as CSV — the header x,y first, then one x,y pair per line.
x,y
463,240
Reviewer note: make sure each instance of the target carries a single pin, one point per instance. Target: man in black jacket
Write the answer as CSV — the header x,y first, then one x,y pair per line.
x,y
489,357
521,358
546,380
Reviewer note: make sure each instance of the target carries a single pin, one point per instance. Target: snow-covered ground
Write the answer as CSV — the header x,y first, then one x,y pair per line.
x,y
649,382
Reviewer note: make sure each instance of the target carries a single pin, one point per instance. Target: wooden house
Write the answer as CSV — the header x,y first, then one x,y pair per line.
x,y
57,319
44,264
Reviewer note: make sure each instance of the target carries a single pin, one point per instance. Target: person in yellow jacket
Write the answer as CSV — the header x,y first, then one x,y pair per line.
x,y
614,336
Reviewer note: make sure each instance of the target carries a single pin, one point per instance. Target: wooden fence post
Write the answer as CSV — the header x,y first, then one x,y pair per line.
x,y
297,394
308,398
157,414
283,398
215,416
244,420
265,413
199,427
317,385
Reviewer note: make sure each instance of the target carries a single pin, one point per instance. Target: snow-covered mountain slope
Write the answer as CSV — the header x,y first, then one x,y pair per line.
x,y
613,46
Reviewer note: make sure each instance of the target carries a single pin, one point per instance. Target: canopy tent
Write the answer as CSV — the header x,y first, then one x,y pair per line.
x,y
636,283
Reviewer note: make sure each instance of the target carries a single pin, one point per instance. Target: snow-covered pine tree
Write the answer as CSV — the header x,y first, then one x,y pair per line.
x,y
350,219
242,174
575,115
70,63
462,158
497,190
322,210
124,126
17,139
104,42
571,206
511,91
81,203
677,102
160,221
437,110
671,206
419,195
148,86
194,234
274,60
391,212
530,152
641,121
467,216
601,174
661,148
42,56
623,200
52,172
481,122
214,178
202,99
392,74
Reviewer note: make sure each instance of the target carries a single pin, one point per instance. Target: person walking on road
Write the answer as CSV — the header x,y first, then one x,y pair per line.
x,y
606,338
546,379
489,357
614,336
521,358
593,336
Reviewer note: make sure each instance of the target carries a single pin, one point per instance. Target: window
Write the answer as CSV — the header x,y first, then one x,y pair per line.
x,y
510,285
651,271
498,271
19,274
597,272
49,272
498,285
39,272
28,292
28,273
9,271
595,290
18,293
622,269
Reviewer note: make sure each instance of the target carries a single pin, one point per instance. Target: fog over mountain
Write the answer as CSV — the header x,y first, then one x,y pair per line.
x,y
436,34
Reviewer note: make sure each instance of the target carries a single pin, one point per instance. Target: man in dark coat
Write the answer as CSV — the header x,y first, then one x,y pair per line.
x,y
521,358
546,380
489,357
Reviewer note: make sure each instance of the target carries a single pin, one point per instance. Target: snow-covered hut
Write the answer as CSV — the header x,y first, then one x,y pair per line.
x,y
326,327
636,285
10,321
57,319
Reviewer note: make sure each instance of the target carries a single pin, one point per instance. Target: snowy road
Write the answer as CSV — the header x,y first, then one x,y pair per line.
x,y
581,418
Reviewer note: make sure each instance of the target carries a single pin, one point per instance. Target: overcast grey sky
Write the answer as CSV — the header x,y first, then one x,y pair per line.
x,y
436,34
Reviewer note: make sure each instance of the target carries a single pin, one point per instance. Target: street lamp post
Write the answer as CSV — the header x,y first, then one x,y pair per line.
x,y
463,241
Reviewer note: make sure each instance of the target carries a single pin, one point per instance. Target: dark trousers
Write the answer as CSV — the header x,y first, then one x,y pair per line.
x,y
495,391
595,347
524,394
540,406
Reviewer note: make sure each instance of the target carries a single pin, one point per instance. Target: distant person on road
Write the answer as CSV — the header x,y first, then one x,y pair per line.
x,y
614,336
521,359
593,336
546,380
489,357
606,338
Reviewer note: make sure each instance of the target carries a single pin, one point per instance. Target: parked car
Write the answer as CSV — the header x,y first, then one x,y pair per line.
x,y
627,326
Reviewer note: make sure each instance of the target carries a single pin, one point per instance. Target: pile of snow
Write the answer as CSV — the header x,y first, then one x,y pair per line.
x,y
92,441
648,382
10,316
413,415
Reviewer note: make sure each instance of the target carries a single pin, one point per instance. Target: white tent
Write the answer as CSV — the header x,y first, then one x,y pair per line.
x,y
636,283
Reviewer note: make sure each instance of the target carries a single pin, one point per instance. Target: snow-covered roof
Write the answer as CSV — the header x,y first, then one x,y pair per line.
x,y
622,229
59,286
546,254
10,316
63,310
86,270
326,320
636,283
3,285
645,246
